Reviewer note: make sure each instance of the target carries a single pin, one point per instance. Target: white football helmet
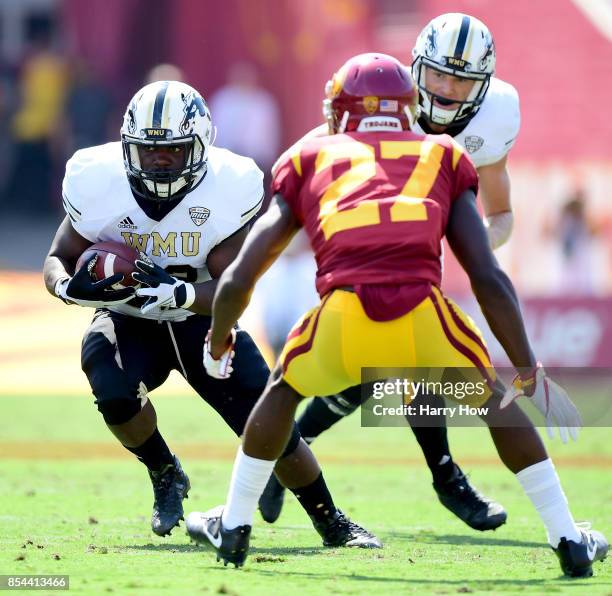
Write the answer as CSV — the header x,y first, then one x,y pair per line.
x,y
460,45
166,113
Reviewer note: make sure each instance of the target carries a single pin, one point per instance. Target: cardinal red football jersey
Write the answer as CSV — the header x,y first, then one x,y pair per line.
x,y
375,207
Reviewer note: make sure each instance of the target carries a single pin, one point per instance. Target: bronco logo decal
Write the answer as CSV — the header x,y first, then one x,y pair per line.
x,y
487,56
193,104
431,43
132,118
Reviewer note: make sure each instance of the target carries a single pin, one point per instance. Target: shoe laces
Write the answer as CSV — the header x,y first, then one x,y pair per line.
x,y
354,529
584,527
460,484
162,484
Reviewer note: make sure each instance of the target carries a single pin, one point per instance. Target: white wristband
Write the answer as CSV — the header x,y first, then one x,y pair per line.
x,y
191,295
499,228
60,287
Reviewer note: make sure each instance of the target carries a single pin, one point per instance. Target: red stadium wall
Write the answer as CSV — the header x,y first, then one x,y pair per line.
x,y
297,45
548,49
564,332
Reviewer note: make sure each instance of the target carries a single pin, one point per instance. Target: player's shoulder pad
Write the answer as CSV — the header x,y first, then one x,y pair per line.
x,y
294,151
445,140
506,106
240,182
454,149
90,182
497,122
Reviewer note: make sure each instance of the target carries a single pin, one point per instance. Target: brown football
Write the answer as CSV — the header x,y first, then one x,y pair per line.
x,y
113,257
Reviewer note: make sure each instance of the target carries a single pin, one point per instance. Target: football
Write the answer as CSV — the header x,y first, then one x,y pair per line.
x,y
113,257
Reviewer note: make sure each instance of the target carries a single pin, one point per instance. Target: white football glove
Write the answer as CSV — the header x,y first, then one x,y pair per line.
x,y
222,368
162,291
550,399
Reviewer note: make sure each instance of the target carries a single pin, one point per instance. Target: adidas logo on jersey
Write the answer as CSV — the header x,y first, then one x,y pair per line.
x,y
127,224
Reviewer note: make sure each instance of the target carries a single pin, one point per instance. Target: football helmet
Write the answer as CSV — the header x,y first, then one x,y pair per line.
x,y
459,45
371,92
166,113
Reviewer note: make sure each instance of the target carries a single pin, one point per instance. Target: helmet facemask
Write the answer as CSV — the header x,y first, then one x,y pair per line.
x,y
466,109
459,45
163,184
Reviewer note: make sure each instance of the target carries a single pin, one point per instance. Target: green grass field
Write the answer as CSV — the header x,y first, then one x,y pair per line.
x,y
73,502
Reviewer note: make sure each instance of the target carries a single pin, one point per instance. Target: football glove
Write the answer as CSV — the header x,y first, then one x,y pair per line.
x,y
550,399
83,290
221,368
163,291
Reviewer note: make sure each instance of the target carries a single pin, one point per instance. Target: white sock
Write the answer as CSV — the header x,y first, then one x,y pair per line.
x,y
541,484
249,478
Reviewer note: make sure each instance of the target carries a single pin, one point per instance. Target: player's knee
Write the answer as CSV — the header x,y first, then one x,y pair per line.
x,y
118,409
116,399
294,441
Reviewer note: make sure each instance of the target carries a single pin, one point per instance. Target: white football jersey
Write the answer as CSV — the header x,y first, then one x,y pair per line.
x,y
490,134
98,199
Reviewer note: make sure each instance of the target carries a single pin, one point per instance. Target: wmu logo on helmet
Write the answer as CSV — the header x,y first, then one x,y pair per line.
x,y
199,215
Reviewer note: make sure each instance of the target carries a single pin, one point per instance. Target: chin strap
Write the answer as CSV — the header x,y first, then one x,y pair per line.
x,y
343,122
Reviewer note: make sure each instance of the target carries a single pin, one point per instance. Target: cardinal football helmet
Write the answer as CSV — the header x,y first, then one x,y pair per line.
x,y
459,45
371,92
166,113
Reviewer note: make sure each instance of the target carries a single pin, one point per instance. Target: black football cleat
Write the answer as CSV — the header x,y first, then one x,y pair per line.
x,y
577,558
232,546
341,531
271,500
473,508
170,487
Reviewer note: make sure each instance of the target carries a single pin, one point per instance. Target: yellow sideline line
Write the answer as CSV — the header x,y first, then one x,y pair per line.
x,y
75,451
